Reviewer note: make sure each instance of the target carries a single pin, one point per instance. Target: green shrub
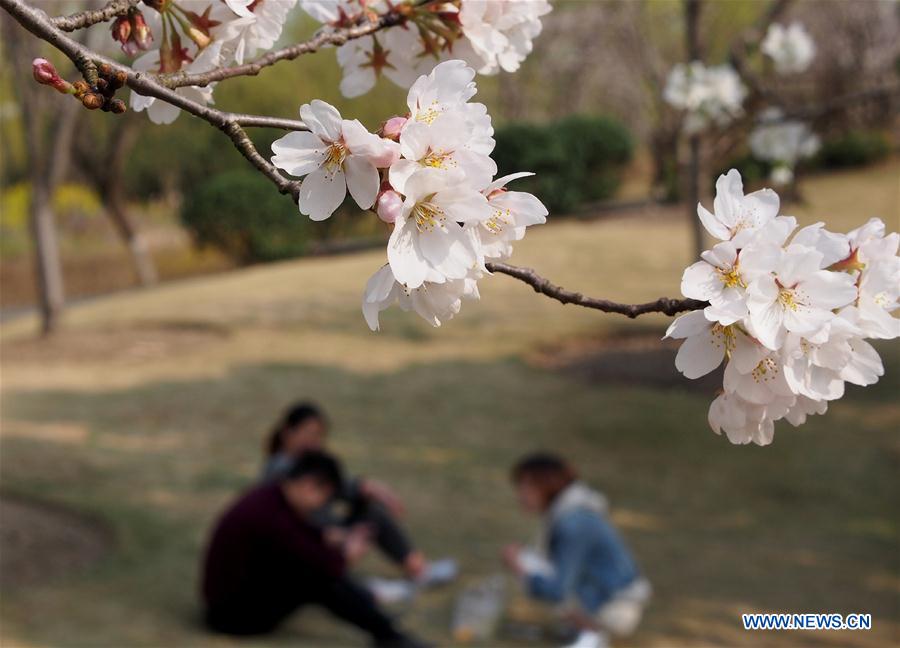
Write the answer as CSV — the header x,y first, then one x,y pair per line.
x,y
576,159
856,148
244,216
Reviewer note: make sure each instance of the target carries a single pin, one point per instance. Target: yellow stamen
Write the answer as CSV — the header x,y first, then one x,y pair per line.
x,y
787,299
428,115
724,336
335,155
438,160
428,216
731,278
765,371
498,220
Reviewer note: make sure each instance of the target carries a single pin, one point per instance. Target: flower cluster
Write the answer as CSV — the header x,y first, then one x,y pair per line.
x,y
196,36
489,35
707,95
430,176
783,142
789,311
791,48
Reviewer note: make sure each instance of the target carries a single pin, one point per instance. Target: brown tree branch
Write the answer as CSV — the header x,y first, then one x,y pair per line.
x,y
394,16
82,19
39,24
663,305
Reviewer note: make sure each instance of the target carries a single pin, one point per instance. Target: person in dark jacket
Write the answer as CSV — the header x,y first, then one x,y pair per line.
x,y
580,562
362,502
266,559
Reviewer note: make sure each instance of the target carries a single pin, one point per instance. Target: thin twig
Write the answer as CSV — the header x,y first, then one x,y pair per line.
x,y
39,24
664,305
82,19
336,37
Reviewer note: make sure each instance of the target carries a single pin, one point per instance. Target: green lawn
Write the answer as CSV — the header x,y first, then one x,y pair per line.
x,y
149,410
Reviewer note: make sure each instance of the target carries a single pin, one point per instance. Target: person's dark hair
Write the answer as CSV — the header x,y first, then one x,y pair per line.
x,y
321,466
295,415
550,473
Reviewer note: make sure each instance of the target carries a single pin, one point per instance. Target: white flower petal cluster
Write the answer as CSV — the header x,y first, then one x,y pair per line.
x,y
435,185
195,36
790,47
783,142
489,35
256,27
790,311
707,95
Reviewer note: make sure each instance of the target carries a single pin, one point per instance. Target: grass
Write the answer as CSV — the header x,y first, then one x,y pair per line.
x,y
149,410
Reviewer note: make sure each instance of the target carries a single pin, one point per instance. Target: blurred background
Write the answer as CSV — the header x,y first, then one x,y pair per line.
x,y
194,303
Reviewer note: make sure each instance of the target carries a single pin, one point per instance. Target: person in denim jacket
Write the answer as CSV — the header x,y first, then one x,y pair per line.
x,y
581,562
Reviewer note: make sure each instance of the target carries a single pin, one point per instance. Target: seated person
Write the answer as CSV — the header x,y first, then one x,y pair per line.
x,y
266,559
365,502
581,558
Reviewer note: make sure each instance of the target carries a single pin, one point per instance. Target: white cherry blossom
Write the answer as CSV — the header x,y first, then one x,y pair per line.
x,y
444,144
512,212
433,302
335,155
429,241
798,296
499,34
707,95
790,47
736,217
257,27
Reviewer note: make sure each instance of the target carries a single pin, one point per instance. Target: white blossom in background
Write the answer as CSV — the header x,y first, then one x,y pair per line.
x,y
489,35
708,96
499,35
783,142
789,311
257,27
790,47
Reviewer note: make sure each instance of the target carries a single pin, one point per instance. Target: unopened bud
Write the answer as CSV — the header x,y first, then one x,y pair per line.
x,y
117,106
392,127
104,70
44,73
389,205
121,29
102,84
118,80
92,101
80,87
141,36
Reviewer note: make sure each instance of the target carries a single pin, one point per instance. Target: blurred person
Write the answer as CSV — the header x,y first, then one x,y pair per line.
x,y
361,501
581,562
266,559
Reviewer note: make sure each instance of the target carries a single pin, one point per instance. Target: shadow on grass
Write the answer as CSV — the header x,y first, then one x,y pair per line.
x,y
807,524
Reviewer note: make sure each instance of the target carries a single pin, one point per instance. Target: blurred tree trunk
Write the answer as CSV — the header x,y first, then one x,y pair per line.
x,y
104,164
49,128
694,47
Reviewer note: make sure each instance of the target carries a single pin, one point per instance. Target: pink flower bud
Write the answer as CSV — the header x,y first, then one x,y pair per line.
x,y
392,127
390,153
142,35
121,29
45,74
388,205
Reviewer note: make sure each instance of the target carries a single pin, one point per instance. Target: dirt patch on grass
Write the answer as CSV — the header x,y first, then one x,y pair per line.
x,y
638,358
40,543
132,344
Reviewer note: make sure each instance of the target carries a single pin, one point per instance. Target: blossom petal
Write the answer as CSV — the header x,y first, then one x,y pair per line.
x,y
321,193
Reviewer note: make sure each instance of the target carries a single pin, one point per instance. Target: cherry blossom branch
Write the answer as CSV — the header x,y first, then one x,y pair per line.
x,y
664,305
232,124
394,16
83,19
